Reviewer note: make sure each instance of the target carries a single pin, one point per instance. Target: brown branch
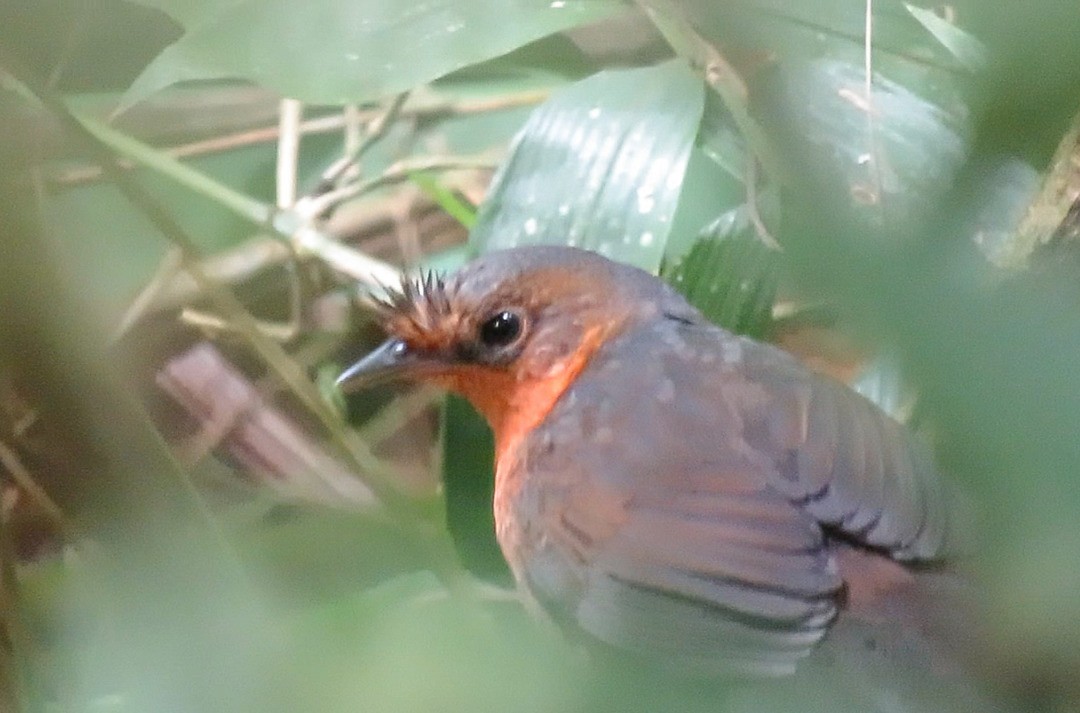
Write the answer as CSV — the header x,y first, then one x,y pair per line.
x,y
425,107
271,448
23,478
350,161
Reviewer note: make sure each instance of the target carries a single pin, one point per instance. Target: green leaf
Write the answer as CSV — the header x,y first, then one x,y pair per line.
x,y
469,480
881,157
600,165
835,28
720,141
549,62
730,275
967,49
458,208
326,383
722,77
348,51
876,108
709,189
409,646
188,13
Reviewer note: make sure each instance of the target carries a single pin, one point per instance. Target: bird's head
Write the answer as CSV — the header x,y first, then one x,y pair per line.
x,y
511,329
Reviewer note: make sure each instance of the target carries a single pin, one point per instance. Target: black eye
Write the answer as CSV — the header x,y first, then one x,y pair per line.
x,y
501,329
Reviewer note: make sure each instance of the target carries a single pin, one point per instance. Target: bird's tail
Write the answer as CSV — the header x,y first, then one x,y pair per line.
x,y
907,638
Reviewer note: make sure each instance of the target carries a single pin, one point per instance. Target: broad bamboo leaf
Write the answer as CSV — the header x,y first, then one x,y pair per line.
x,y
875,107
189,13
967,49
348,51
710,188
600,166
881,154
832,28
730,275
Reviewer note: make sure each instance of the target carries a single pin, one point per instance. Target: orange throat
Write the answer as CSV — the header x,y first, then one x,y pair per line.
x,y
514,404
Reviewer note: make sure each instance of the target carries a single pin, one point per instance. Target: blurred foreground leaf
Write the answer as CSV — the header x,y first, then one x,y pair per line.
x,y
994,359
162,592
964,47
826,28
408,646
189,13
349,51
878,156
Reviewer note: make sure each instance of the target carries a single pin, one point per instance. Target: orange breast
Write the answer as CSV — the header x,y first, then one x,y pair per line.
x,y
514,404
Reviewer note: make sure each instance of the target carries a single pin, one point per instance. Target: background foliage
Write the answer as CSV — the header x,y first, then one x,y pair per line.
x,y
903,176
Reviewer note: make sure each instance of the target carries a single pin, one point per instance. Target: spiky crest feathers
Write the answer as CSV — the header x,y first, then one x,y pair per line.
x,y
420,311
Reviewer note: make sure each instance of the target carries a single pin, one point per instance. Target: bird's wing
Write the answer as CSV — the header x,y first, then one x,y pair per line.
x,y
699,537
728,579
842,459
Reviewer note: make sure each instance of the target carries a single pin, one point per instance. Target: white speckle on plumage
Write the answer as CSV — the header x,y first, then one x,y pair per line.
x,y
731,351
666,392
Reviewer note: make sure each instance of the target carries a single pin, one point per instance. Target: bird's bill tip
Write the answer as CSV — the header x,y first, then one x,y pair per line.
x,y
389,360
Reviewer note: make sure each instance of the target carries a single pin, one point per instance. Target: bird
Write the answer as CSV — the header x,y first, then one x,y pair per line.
x,y
664,487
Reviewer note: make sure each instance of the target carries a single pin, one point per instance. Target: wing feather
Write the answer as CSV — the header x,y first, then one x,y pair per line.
x,y
857,469
702,538
870,482
656,623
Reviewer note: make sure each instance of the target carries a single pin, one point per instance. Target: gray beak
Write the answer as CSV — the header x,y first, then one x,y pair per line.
x,y
391,360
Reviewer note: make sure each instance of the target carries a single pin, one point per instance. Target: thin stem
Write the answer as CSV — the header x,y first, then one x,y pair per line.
x,y
288,224
376,474
318,125
22,477
752,204
350,116
397,172
288,158
203,320
395,415
203,147
670,21
288,151
876,156
378,128
140,153
159,282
